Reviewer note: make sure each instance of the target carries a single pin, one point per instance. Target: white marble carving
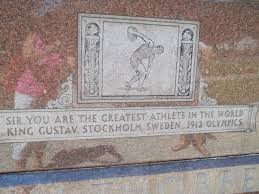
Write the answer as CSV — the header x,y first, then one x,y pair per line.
x,y
204,98
65,124
136,59
65,98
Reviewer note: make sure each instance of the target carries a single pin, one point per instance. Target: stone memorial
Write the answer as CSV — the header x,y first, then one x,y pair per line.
x,y
163,95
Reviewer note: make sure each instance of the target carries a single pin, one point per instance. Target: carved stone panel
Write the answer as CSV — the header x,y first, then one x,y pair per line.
x,y
126,59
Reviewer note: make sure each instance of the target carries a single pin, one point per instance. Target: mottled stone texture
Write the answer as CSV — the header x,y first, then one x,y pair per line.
x,y
229,33
228,60
235,179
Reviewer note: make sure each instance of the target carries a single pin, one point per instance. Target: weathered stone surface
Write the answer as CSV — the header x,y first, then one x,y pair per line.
x,y
227,68
224,175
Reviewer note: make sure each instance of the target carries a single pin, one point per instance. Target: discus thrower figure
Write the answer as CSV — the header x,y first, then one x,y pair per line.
x,y
148,51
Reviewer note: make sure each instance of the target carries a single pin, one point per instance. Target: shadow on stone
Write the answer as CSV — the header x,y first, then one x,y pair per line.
x,y
73,157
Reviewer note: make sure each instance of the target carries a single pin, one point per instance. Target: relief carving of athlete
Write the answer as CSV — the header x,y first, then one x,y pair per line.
x,y
147,51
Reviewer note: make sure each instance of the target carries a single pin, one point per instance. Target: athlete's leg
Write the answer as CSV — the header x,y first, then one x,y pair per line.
x,y
21,153
20,150
184,142
38,149
199,141
142,79
135,63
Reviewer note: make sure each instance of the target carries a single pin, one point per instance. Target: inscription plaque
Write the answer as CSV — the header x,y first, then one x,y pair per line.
x,y
39,125
136,59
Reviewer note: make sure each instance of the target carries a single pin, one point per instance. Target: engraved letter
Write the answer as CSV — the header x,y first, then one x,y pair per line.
x,y
226,180
250,178
202,185
102,187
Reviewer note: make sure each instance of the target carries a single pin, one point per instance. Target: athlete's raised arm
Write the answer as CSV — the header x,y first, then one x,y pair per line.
x,y
133,34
